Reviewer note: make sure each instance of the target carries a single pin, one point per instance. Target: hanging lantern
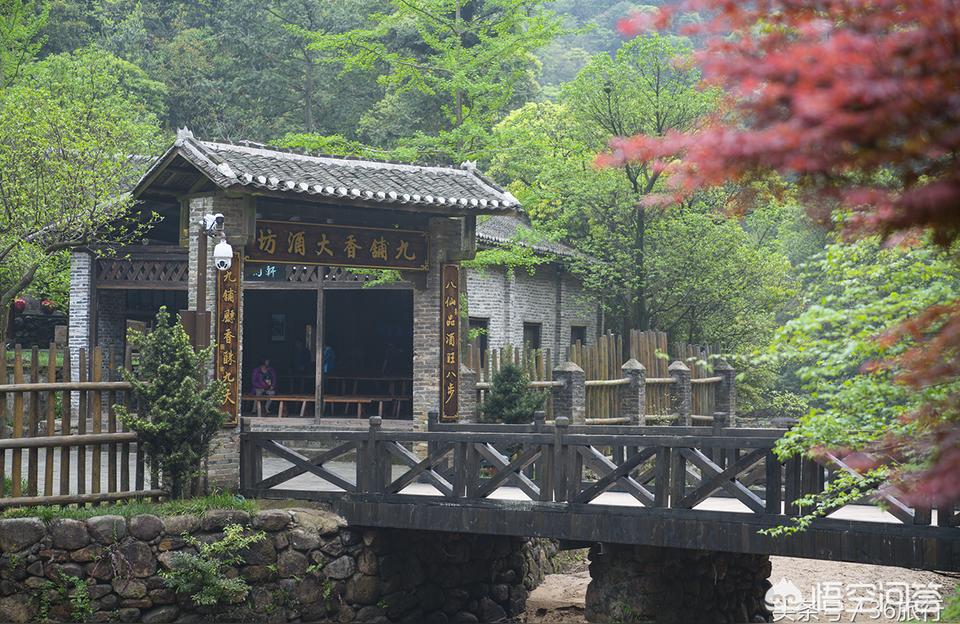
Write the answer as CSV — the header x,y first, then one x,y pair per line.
x,y
19,305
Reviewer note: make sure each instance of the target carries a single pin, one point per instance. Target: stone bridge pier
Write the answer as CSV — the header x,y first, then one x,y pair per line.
x,y
650,584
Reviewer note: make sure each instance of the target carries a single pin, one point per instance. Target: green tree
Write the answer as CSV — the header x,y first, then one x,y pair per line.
x,y
511,400
650,88
21,27
461,63
177,414
67,130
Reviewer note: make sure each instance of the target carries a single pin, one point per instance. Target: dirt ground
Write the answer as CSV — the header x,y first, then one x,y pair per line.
x,y
560,599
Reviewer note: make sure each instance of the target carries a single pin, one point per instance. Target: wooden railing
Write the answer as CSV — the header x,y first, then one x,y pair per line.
x,y
67,430
601,363
657,467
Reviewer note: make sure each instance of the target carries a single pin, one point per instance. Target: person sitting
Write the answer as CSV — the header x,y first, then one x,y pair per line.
x,y
264,381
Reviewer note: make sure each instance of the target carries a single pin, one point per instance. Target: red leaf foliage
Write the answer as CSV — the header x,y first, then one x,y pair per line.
x,y
858,101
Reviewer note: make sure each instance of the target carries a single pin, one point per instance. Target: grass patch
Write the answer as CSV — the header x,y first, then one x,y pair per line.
x,y
43,358
128,509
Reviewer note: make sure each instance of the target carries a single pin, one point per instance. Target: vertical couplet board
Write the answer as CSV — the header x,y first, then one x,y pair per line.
x,y
228,337
450,345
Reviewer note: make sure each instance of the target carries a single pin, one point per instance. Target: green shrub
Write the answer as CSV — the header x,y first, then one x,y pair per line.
x,y
510,399
128,509
177,413
202,576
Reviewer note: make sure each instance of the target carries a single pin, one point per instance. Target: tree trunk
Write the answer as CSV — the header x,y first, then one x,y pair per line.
x,y
308,94
640,312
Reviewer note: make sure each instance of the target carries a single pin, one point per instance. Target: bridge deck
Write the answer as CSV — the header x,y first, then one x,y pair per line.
x,y
706,491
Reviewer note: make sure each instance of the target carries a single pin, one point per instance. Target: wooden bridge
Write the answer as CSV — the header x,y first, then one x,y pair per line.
x,y
709,488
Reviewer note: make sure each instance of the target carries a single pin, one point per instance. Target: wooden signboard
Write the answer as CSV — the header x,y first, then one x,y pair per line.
x,y
450,349
227,349
287,242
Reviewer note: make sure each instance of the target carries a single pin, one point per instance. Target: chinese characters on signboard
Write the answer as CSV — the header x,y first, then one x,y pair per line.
x,y
228,345
265,272
450,350
370,248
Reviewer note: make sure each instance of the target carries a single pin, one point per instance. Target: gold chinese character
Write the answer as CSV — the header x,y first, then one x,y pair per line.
x,y
227,357
229,316
451,374
228,336
323,246
228,377
452,357
451,285
229,399
451,339
403,251
228,277
295,244
351,246
450,302
451,392
267,241
229,295
451,320
379,248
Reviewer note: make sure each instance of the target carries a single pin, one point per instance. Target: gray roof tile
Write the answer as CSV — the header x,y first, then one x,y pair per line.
x,y
372,181
503,229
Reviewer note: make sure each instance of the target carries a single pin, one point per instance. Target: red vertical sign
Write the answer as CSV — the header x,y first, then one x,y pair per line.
x,y
450,349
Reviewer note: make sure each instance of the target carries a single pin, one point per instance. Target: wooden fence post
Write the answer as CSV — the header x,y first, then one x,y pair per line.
x,y
569,399
560,459
680,393
633,396
726,394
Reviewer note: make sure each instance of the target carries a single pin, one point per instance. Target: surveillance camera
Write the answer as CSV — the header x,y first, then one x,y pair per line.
x,y
212,223
218,219
223,255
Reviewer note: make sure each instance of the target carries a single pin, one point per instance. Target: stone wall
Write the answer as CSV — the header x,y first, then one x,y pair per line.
x,y
647,584
311,567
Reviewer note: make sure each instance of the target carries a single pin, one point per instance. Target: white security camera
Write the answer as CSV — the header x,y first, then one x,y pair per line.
x,y
212,223
223,255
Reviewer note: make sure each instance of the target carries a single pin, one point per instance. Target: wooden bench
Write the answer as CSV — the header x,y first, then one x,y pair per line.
x,y
360,400
281,399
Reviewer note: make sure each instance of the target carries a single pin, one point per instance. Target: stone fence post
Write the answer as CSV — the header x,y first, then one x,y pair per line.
x,y
570,399
633,396
681,393
469,412
726,408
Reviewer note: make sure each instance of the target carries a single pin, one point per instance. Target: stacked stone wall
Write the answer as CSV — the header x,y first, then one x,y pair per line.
x,y
655,585
311,567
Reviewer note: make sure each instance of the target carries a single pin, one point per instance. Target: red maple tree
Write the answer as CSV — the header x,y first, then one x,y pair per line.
x,y
858,101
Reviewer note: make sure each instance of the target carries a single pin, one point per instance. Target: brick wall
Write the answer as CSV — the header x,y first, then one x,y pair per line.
x,y
112,322
81,267
554,299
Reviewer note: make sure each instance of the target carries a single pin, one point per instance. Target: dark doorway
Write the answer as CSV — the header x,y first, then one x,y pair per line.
x,y
280,325
368,347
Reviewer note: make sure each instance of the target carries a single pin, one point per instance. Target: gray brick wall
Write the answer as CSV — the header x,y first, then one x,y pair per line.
x,y
507,302
112,322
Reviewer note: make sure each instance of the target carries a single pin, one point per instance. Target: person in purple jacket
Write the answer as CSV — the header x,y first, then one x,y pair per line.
x,y
265,381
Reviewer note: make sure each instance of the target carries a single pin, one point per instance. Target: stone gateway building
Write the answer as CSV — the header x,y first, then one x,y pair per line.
x,y
309,235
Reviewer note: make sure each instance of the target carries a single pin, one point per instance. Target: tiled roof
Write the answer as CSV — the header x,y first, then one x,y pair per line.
x,y
503,229
361,180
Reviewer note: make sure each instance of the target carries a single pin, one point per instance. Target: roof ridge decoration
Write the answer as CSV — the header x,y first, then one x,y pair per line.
x,y
246,164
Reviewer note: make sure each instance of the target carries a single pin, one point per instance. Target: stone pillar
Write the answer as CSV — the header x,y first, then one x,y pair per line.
x,y
655,585
726,410
81,274
444,236
681,399
468,394
633,396
570,399
223,460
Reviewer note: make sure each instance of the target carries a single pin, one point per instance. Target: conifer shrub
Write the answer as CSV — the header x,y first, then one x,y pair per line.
x,y
510,399
177,412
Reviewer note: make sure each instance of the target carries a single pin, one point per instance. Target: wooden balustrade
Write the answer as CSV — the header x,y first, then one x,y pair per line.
x,y
658,467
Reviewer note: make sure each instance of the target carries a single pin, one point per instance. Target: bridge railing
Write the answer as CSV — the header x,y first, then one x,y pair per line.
x,y
690,468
